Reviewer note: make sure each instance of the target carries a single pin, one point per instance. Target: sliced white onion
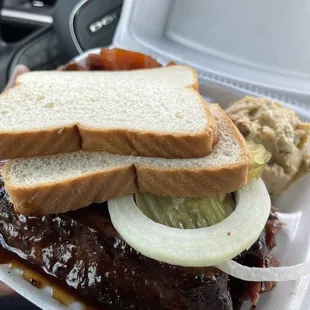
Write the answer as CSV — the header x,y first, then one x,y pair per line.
x,y
195,247
254,274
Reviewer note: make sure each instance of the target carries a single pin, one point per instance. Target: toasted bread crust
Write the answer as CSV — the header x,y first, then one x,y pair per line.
x,y
76,137
127,179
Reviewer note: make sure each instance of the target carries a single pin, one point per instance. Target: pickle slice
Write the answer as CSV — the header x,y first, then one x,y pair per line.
x,y
191,213
260,157
186,213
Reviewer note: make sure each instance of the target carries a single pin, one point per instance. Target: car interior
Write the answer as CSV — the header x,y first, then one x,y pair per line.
x,y
45,34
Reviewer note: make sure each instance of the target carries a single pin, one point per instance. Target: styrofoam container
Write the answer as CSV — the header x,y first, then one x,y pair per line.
x,y
258,47
203,33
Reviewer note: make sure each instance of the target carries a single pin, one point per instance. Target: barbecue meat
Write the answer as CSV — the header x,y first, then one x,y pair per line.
x,y
83,250
257,256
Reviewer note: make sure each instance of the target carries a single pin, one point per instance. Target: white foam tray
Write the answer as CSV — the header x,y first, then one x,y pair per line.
x,y
151,27
237,44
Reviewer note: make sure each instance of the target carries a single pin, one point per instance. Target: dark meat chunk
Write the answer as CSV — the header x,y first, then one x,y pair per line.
x,y
71,66
119,59
93,63
257,256
84,250
114,59
272,227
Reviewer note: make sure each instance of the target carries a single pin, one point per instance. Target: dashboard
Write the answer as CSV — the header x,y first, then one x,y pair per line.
x,y
44,34
21,17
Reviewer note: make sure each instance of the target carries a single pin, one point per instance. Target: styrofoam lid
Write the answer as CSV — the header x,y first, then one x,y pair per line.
x,y
260,47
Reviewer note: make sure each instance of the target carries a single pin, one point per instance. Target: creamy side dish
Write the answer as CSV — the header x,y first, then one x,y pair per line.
x,y
281,133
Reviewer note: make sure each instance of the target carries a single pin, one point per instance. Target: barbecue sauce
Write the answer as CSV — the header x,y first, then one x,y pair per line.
x,y
61,292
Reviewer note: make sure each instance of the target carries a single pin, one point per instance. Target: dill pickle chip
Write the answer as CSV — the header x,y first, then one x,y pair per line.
x,y
260,157
186,213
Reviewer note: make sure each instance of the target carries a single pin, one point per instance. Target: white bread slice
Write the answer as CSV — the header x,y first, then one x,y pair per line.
x,y
149,112
60,183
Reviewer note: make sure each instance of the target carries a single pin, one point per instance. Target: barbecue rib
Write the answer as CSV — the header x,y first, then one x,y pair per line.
x,y
83,249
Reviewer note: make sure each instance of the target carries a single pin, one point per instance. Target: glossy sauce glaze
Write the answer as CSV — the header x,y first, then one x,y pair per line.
x,y
83,258
114,59
35,276
83,251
